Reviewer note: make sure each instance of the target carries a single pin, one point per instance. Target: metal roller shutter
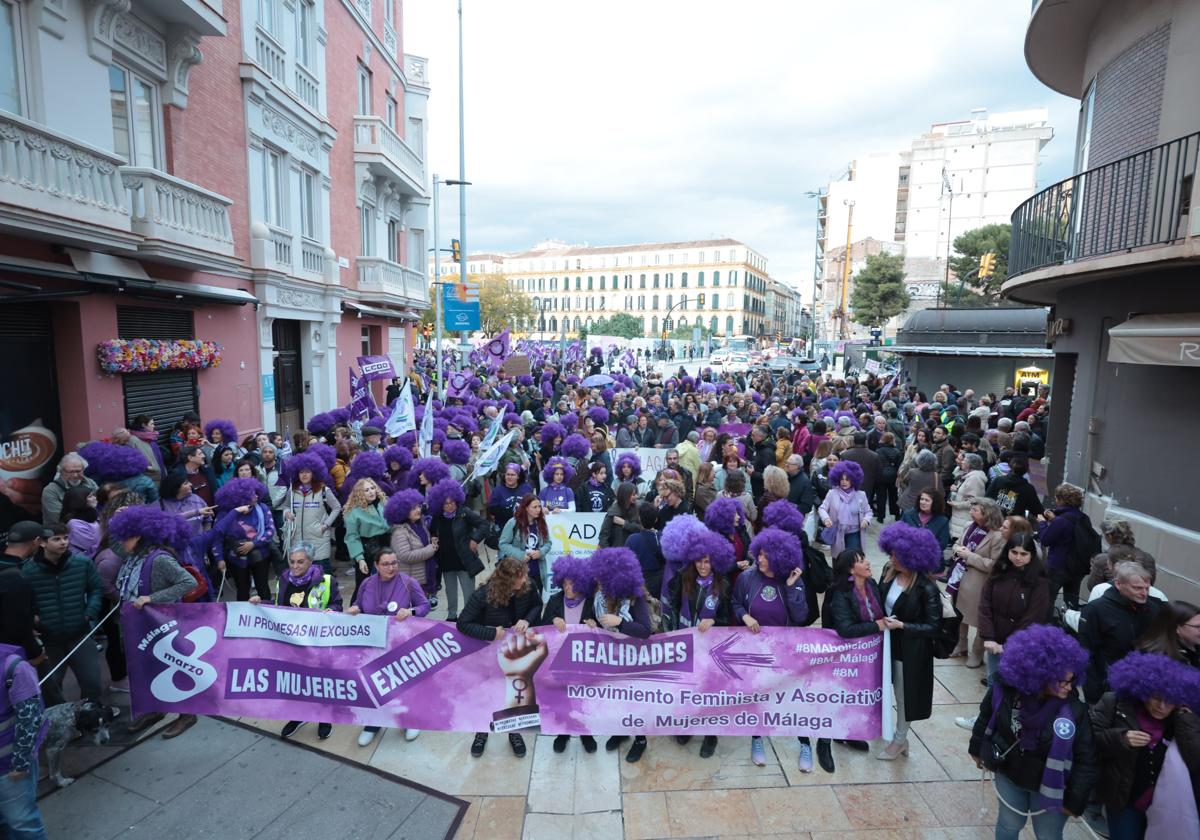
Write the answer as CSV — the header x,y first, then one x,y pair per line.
x,y
25,321
165,395
163,324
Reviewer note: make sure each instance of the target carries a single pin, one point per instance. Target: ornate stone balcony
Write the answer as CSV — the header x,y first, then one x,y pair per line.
x,y
386,155
385,281
182,223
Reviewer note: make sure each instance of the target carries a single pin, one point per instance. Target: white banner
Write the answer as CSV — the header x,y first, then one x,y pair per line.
x,y
871,366
571,533
652,460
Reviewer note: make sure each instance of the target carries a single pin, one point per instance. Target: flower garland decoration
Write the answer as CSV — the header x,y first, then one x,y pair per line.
x,y
142,355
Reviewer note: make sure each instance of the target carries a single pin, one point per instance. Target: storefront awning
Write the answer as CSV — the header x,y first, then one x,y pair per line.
x,y
1172,339
962,350
376,312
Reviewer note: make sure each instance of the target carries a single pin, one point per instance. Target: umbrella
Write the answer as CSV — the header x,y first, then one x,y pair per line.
x,y
597,381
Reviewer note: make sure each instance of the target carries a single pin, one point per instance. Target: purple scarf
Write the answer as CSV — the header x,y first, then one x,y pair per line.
x,y
419,529
572,603
869,608
151,437
315,571
1034,715
708,607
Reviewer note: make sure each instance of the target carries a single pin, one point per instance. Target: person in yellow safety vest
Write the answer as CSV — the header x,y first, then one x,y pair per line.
x,y
307,586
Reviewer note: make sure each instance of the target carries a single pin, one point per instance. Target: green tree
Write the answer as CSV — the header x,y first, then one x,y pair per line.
x,y
683,332
879,292
501,308
621,324
964,263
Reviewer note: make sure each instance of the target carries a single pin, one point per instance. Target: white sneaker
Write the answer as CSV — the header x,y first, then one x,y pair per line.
x,y
366,737
967,723
411,734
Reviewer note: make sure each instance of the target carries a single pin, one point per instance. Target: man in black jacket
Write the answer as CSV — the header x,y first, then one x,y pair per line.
x,y
18,606
800,489
1013,492
762,453
872,467
1110,625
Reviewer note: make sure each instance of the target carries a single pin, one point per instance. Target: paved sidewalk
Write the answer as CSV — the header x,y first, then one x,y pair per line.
x,y
228,781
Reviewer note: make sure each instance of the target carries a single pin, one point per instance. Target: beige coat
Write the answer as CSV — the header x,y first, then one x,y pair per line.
x,y
972,486
979,566
410,554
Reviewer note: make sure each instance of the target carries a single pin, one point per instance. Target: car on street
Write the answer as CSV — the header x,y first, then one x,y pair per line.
x,y
783,364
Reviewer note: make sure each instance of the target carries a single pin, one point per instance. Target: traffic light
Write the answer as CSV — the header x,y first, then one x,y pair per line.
x,y
987,265
664,335
455,250
702,300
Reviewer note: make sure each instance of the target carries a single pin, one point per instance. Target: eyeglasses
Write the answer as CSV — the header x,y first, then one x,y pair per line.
x,y
1067,683
387,563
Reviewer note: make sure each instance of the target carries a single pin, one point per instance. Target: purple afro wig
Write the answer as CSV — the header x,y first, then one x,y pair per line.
x,y
228,430
155,526
706,543
783,550
457,451
305,461
572,379
321,424
785,516
325,452
598,414
110,462
846,468
633,461
408,440
570,421
618,573
578,570
547,390
719,515
556,463
398,455
433,469
240,491
1040,655
916,549
1143,676
608,395
400,505
445,489
552,430
511,418
340,415
576,446
596,351
676,538
368,464
525,379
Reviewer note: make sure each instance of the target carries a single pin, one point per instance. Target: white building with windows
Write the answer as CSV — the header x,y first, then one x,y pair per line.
x,y
719,284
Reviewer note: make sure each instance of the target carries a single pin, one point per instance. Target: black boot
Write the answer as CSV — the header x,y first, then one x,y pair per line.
x,y
635,751
708,746
517,743
479,744
560,742
825,755
615,741
682,739
589,743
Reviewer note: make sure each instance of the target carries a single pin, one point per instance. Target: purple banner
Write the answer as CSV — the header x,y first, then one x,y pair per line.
x,y
361,399
297,664
376,367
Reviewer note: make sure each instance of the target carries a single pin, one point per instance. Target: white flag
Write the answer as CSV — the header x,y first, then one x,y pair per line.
x,y
403,417
487,462
427,427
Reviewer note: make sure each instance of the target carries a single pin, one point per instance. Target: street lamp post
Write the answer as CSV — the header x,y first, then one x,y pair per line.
x,y
464,347
437,278
843,332
812,336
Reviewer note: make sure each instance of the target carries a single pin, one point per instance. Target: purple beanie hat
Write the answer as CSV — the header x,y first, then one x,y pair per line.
x,y
240,491
576,446
445,489
578,570
846,468
1039,655
632,460
618,573
154,525
916,549
1143,676
706,543
555,463
457,451
783,550
111,462
676,538
400,505
719,515
228,430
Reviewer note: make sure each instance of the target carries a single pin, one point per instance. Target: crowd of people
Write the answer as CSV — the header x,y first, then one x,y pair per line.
x,y
761,516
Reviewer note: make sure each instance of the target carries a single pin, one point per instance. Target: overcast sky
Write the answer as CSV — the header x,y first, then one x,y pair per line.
x,y
622,121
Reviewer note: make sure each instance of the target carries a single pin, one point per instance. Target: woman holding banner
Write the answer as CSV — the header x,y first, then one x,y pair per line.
x,y
556,493
389,592
526,537
594,495
572,604
629,469
412,542
699,597
506,602
245,531
458,532
913,607
620,606
727,517
771,593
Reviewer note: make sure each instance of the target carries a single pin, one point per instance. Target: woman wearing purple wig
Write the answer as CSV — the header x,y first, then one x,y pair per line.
x,y
846,511
458,532
310,507
245,530
913,608
411,540
699,597
771,593
1034,733
571,604
1149,744
556,493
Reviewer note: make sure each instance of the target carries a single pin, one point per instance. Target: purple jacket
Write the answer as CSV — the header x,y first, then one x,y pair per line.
x,y
749,582
232,528
1058,537
403,591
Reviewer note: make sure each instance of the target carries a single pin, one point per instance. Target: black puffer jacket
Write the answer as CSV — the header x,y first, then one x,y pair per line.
x,y
479,618
1025,769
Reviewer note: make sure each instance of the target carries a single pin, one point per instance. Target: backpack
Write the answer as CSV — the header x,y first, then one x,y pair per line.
x,y
1085,546
817,572
655,608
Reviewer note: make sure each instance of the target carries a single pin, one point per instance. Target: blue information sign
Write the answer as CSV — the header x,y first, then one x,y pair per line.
x,y
268,387
460,314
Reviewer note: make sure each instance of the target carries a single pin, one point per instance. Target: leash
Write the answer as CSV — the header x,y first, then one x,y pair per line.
x,y
1018,811
87,636
221,588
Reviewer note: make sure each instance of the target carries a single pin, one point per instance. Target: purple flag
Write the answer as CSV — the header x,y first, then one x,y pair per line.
x,y
361,399
498,349
376,367
459,384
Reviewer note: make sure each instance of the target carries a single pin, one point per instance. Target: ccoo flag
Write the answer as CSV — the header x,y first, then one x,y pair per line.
x,y
403,418
427,427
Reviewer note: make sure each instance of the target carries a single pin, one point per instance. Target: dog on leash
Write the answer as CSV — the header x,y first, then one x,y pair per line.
x,y
68,721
